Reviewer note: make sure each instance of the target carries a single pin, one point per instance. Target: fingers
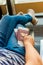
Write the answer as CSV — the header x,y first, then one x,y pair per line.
x,y
28,39
20,13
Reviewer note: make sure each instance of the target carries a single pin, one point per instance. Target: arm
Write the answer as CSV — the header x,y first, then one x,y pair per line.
x,y
7,25
23,19
32,57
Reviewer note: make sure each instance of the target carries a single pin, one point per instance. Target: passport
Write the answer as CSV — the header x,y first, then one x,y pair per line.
x,y
20,33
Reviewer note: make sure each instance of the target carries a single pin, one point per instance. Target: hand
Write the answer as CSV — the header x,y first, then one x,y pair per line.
x,y
28,39
21,33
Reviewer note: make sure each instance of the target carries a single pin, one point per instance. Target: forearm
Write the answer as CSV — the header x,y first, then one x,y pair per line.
x,y
32,57
23,19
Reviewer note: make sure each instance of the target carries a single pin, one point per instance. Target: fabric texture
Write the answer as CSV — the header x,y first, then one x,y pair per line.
x,y
10,58
8,39
7,25
13,43
7,36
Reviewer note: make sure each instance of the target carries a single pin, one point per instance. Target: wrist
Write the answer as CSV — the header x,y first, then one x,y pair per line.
x,y
27,45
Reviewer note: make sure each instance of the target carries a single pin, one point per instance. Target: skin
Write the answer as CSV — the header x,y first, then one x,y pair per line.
x,y
32,57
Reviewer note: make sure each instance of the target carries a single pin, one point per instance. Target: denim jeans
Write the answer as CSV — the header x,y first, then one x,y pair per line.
x,y
7,25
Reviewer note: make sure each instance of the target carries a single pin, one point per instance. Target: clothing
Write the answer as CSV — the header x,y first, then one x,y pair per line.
x,y
8,57
7,25
13,43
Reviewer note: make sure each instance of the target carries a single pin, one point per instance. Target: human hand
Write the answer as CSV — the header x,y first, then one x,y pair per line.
x,y
28,39
21,33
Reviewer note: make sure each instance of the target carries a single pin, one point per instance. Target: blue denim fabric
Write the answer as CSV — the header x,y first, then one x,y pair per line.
x,y
7,25
13,43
